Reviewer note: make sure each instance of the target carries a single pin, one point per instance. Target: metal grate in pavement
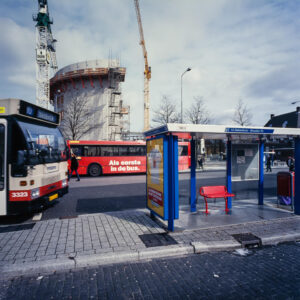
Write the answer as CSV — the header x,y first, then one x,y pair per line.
x,y
16,227
157,239
247,239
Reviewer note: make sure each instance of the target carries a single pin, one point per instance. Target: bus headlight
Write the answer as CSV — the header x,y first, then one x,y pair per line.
x,y
35,193
64,183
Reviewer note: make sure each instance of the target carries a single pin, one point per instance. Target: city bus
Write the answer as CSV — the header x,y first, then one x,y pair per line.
x,y
33,157
118,157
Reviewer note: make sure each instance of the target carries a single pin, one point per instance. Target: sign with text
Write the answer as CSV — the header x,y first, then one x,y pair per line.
x,y
125,166
155,176
249,130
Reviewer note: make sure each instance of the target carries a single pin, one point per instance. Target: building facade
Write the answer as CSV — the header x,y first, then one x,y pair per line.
x,y
89,93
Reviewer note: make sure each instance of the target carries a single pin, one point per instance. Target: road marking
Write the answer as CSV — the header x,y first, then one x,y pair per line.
x,y
37,217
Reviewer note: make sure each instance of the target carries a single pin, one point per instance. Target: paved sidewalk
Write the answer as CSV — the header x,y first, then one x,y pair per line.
x,y
107,238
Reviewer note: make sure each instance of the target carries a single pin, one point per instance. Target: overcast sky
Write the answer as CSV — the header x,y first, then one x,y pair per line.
x,y
235,48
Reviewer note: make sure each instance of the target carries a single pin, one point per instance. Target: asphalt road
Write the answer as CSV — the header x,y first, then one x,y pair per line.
x,y
112,193
268,273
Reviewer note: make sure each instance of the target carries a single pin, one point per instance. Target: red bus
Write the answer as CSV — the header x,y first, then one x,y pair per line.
x,y
118,157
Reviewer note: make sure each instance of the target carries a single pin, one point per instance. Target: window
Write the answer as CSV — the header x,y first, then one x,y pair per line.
x,y
123,151
45,143
182,150
109,151
91,151
137,151
77,150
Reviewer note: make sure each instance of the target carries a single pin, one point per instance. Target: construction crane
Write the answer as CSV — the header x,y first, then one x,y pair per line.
x,y
45,54
147,72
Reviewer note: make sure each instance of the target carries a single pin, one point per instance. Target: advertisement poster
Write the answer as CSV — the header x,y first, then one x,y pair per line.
x,y
155,176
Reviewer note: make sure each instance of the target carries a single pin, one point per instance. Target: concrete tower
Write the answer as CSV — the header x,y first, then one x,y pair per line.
x,y
92,89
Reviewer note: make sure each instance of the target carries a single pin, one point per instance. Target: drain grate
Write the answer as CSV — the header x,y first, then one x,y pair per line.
x,y
247,239
16,228
157,239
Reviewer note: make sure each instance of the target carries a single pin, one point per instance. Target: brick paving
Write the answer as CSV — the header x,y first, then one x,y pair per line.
x,y
115,237
85,235
268,273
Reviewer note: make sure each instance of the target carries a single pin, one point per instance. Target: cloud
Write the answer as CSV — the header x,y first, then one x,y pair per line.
x,y
236,49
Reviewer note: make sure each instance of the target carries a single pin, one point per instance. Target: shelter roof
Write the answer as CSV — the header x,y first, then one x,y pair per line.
x,y
223,131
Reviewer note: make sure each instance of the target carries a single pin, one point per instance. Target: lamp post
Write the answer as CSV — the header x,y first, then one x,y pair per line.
x,y
187,70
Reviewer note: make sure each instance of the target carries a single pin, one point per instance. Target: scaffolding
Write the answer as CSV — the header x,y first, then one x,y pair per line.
x,y
100,81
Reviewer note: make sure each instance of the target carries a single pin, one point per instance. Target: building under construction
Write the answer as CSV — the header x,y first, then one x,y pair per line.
x,y
96,86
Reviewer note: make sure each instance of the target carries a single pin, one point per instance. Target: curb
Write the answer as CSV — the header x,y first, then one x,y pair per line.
x,y
32,268
200,247
276,239
81,261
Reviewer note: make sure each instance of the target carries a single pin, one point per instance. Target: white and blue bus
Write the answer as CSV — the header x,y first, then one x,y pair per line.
x,y
33,157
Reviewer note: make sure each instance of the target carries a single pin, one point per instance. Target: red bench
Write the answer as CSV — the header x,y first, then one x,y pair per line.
x,y
218,191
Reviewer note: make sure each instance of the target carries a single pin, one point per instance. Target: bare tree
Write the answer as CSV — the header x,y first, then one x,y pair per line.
x,y
242,115
166,112
77,119
197,113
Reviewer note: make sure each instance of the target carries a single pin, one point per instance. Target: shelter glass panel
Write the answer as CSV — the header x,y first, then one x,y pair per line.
x,y
245,162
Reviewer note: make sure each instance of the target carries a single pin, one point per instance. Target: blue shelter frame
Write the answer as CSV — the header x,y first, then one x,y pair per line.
x,y
261,134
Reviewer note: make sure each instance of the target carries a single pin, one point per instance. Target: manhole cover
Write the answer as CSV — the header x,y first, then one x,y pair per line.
x,y
247,239
157,239
16,227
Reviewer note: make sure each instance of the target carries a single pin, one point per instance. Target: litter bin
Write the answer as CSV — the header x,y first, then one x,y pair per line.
x,y
285,186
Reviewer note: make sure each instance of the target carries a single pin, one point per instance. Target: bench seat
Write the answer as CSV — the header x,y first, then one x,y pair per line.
x,y
217,191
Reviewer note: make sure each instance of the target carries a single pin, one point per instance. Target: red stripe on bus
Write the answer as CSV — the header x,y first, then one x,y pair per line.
x,y
25,195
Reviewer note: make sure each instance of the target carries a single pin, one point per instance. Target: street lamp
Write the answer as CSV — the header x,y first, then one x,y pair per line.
x,y
187,70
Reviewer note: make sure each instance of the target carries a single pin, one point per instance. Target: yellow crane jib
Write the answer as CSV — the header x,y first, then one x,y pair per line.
x,y
147,72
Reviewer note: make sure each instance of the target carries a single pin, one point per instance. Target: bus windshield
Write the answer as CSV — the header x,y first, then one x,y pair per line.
x,y
47,143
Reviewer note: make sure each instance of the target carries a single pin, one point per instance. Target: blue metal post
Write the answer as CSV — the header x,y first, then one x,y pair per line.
x,y
261,173
297,177
228,172
173,180
193,207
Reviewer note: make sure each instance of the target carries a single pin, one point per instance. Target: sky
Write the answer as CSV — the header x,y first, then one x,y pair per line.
x,y
236,49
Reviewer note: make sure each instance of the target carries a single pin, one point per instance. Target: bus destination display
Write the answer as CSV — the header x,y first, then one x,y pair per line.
x,y
34,111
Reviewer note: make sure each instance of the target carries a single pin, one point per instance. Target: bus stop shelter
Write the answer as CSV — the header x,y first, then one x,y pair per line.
x,y
162,162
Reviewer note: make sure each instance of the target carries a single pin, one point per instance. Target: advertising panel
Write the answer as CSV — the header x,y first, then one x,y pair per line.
x,y
155,177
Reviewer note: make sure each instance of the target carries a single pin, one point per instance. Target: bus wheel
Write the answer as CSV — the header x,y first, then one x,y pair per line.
x,y
95,170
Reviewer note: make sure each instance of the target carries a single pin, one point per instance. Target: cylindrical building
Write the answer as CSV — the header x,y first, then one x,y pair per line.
x,y
88,97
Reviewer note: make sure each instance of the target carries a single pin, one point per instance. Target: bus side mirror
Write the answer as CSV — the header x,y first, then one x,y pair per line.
x,y
21,158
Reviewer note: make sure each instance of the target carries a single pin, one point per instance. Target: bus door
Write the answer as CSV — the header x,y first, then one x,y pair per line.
x,y
3,164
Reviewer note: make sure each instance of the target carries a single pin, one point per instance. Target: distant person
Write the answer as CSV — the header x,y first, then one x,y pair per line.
x,y
269,163
291,164
200,162
74,166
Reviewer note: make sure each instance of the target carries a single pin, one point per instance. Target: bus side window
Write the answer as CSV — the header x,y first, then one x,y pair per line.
x,y
182,150
77,150
91,150
123,151
131,150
